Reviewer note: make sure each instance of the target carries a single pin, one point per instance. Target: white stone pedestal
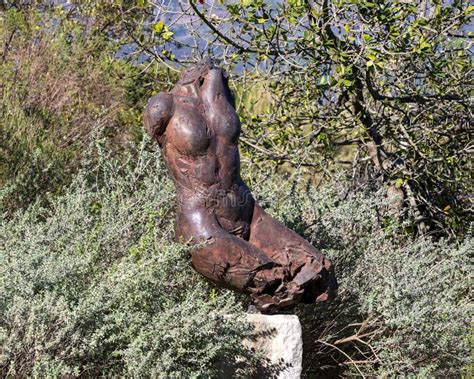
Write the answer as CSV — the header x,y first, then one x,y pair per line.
x,y
279,339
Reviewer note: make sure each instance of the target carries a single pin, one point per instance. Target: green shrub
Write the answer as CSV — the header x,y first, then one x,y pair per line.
x,y
94,285
403,305
60,84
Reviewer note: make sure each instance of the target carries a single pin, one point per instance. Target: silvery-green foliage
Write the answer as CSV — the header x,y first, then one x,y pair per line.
x,y
93,285
403,304
420,291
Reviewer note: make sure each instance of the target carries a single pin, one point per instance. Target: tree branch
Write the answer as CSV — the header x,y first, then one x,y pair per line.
x,y
405,99
218,33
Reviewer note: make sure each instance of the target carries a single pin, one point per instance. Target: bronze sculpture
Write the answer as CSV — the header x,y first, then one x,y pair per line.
x,y
241,246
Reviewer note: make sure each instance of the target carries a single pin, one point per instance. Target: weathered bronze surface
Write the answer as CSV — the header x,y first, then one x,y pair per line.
x,y
244,248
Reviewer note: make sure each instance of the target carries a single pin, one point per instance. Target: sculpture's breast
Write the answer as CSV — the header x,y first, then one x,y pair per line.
x,y
224,121
188,132
217,102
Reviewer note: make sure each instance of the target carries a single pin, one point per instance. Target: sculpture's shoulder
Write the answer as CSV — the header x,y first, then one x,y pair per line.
x,y
158,112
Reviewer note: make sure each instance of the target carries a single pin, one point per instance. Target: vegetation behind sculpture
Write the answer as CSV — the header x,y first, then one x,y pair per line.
x,y
379,89
63,87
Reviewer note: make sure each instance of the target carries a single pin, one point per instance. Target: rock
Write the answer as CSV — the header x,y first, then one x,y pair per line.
x,y
279,339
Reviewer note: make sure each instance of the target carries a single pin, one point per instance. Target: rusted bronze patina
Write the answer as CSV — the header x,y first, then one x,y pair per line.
x,y
242,247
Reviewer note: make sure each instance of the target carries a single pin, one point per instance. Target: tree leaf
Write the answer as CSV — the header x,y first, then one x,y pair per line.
x,y
158,27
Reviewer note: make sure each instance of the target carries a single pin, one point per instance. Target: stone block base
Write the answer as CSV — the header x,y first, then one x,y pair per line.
x,y
279,339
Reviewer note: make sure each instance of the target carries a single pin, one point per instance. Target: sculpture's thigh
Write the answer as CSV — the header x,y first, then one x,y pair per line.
x,y
226,259
310,271
283,245
234,263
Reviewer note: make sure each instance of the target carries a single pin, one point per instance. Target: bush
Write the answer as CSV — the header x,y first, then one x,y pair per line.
x,y
95,286
403,306
60,84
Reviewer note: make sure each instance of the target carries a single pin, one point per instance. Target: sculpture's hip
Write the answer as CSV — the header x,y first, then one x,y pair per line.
x,y
202,211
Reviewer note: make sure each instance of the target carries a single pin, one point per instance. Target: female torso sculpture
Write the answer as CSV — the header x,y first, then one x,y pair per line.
x,y
240,246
